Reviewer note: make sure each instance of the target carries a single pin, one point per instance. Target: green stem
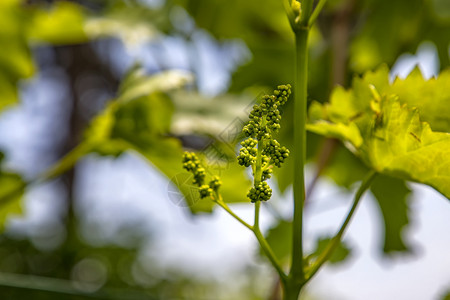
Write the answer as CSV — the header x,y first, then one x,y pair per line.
x,y
257,177
259,236
292,291
64,289
60,167
257,207
316,12
65,163
268,251
306,12
334,243
299,151
13,193
258,165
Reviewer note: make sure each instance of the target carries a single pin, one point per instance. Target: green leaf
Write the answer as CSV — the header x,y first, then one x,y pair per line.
x,y
136,84
11,191
340,254
391,28
15,57
22,25
345,168
139,126
279,238
244,19
59,24
140,120
391,195
406,148
341,131
67,162
395,140
447,296
442,9
431,97
8,91
133,23
222,116
261,25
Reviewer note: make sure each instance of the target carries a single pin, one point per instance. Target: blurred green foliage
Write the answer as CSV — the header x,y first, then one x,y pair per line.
x,y
11,191
22,27
141,116
338,256
391,195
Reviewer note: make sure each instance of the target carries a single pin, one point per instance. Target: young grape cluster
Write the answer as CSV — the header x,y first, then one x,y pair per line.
x,y
248,152
191,163
261,192
259,150
276,152
264,121
265,117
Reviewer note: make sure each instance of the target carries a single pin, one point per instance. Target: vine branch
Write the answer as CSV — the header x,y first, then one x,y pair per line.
x,y
299,150
269,253
332,245
316,12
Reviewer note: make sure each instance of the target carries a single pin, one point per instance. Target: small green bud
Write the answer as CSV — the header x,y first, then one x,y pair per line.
x,y
215,183
205,191
262,192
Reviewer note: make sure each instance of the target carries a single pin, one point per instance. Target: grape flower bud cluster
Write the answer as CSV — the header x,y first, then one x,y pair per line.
x,y
191,163
260,150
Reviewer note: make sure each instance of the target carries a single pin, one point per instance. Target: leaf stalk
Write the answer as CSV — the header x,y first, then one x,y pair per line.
x,y
335,241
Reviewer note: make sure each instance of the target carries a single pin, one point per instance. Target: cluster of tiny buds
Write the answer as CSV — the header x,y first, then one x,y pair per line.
x,y
267,173
192,164
264,120
265,117
277,153
261,192
248,152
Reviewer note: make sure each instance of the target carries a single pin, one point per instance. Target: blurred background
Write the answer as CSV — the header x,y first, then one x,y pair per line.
x,y
98,99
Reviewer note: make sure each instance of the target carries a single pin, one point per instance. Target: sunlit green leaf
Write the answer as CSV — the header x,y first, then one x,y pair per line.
x,y
395,140
341,131
431,97
404,147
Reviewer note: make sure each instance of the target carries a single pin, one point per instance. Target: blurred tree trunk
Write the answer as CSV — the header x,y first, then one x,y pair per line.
x,y
84,71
